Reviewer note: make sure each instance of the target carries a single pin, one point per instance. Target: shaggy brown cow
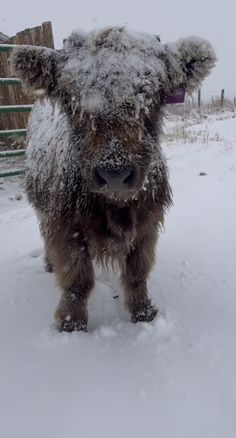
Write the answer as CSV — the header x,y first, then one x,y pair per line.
x,y
96,175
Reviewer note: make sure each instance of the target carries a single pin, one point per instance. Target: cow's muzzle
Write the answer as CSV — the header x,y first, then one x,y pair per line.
x,y
114,180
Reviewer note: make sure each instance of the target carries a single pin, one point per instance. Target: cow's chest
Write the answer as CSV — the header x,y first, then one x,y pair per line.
x,y
112,232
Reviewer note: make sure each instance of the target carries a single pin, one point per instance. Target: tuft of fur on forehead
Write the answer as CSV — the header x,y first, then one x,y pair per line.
x,y
112,67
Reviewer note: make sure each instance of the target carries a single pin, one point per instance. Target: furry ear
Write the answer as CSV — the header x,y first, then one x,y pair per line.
x,y
188,62
36,67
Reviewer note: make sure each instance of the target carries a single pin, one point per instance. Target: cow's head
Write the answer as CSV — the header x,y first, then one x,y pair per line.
x,y
113,85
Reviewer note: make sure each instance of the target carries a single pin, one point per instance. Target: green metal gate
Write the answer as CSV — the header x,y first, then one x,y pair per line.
x,y
12,133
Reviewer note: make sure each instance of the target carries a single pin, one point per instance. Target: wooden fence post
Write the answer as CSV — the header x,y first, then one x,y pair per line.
x,y
199,99
10,94
222,98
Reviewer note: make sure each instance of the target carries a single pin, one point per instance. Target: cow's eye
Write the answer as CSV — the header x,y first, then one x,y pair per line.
x,y
148,126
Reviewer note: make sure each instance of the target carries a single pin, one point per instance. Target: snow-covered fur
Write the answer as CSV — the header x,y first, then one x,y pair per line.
x,y
96,174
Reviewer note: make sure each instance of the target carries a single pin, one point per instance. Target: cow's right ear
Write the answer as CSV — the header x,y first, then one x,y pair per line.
x,y
37,67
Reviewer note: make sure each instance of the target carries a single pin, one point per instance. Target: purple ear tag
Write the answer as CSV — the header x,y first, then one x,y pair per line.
x,y
176,97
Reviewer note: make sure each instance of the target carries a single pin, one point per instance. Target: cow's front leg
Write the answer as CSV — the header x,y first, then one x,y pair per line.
x,y
72,265
134,279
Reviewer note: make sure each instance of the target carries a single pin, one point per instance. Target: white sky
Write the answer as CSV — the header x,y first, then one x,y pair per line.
x,y
211,19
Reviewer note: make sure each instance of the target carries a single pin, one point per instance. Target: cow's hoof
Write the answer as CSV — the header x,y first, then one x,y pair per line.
x,y
48,267
71,320
145,315
70,325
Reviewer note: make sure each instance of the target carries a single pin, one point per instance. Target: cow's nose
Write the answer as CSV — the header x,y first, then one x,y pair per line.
x,y
115,180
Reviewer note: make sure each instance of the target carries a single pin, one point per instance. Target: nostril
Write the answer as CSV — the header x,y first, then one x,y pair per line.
x,y
100,180
130,178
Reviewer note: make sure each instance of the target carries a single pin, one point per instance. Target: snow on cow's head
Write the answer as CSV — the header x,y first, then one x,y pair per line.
x,y
115,64
112,84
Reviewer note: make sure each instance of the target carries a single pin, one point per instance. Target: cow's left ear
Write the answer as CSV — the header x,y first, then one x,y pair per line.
x,y
37,67
188,62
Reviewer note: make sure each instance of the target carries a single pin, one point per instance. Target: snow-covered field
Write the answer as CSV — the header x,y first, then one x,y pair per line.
x,y
173,378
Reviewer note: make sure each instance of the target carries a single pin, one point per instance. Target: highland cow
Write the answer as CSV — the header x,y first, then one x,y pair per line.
x,y
96,175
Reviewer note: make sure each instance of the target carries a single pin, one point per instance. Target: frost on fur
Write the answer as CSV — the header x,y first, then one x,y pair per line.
x,y
129,63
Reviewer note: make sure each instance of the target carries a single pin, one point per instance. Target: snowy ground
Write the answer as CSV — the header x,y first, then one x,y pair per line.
x,y
174,378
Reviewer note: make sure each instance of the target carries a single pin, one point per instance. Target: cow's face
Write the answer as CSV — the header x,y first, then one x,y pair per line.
x,y
112,85
114,144
113,153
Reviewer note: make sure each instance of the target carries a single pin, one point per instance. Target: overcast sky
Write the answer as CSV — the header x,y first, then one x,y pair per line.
x,y
211,19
